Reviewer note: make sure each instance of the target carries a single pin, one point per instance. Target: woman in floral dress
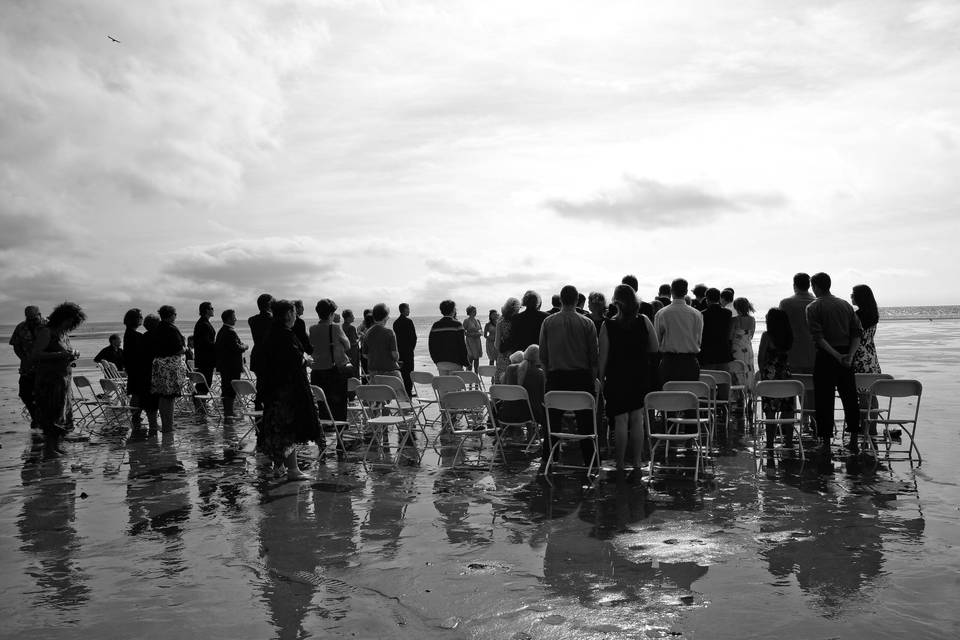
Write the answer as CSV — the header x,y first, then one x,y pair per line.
x,y
503,343
865,359
742,327
168,376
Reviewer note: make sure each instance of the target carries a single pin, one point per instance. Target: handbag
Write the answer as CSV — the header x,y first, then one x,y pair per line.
x,y
344,369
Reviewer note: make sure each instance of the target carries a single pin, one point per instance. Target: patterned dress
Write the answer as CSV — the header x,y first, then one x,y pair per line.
x,y
53,389
503,355
742,347
474,338
776,367
865,359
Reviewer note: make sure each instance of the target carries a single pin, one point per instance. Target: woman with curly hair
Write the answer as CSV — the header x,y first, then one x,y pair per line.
x,y
55,358
503,342
169,373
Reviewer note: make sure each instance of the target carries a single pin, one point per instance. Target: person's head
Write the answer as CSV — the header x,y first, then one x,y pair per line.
x,y
347,316
132,318
532,354
516,357
167,313
555,300
472,311
581,300
367,318
151,321
778,326
569,296
114,340
380,312
742,306
206,309
510,308
448,308
821,283
493,315
336,319
325,306
531,300
656,304
626,300
264,300
726,296
712,295
699,291
404,309
32,314
665,289
597,302
284,313
67,316
298,307
631,281
801,282
867,311
677,289
229,317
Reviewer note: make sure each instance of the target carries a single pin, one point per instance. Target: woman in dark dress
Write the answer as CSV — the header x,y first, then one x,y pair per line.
x,y
627,342
137,363
773,364
289,412
55,358
169,372
503,341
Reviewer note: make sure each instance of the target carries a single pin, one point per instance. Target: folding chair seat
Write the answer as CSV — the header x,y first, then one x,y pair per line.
x,y
86,403
405,405
674,408
246,392
377,419
898,395
500,393
443,385
707,410
571,401
338,426
782,390
117,403
471,380
475,406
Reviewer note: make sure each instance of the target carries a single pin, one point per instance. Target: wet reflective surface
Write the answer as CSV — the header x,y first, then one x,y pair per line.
x,y
188,535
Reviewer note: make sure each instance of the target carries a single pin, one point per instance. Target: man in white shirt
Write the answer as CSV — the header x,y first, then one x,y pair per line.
x,y
679,328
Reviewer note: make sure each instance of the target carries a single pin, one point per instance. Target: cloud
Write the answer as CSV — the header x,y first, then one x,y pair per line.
x,y
650,204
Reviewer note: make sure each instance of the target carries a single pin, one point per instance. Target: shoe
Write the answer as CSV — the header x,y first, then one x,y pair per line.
x,y
852,446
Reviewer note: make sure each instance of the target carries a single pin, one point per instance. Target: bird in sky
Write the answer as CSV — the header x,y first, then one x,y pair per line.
x,y
113,39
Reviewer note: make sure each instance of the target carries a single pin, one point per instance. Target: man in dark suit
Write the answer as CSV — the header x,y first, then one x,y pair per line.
x,y
300,328
525,326
260,330
229,359
715,350
204,352
406,343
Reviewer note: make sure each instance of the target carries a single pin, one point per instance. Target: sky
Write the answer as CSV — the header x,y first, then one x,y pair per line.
x,y
391,151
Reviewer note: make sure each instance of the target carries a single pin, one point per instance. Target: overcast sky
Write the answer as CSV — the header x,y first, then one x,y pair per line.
x,y
412,151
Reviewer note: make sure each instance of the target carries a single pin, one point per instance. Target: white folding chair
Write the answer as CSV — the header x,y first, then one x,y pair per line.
x,y
375,400
405,405
207,399
868,410
338,426
246,392
674,408
897,414
487,371
707,410
720,387
471,380
86,403
117,403
425,379
741,387
517,394
443,385
571,401
779,390
475,406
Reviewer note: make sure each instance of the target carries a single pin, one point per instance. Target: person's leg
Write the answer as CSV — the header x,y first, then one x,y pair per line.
x,y
847,389
166,413
293,469
638,437
407,381
583,381
620,423
824,383
27,383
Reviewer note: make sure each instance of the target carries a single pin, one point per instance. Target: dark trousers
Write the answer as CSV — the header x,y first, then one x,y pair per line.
x,y
406,366
227,393
679,366
207,372
334,386
829,376
576,380
27,382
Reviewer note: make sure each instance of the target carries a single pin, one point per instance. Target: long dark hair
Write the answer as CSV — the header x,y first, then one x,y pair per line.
x,y
626,300
778,327
68,313
866,306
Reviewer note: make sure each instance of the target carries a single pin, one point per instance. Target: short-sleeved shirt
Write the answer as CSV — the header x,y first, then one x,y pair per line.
x,y
679,328
834,320
379,345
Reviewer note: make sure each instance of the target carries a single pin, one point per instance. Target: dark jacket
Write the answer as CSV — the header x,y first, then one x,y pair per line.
x,y
446,342
229,352
406,338
110,354
281,364
260,329
300,330
137,360
167,340
524,330
715,341
204,337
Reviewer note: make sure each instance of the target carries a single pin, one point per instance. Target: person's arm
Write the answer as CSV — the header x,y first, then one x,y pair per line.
x,y
604,352
544,348
762,354
432,345
653,345
392,345
856,335
40,354
816,331
462,349
592,347
496,339
17,344
659,327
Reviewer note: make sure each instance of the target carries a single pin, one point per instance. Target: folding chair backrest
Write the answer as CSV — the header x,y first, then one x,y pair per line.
x,y
865,380
780,389
508,392
469,378
889,388
421,377
736,367
721,377
465,400
197,378
671,401
487,370
569,400
706,378
320,397
805,378
109,386
700,389
353,383
443,385
393,382
83,382
376,393
243,387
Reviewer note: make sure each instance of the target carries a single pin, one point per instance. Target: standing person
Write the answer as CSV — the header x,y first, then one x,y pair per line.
x,y
597,306
726,299
204,347
148,401
260,329
406,344
865,360
448,350
300,327
525,327
663,294
555,306
350,330
715,350
773,362
136,364
742,328
570,355
503,341
627,342
490,335
289,411
169,373
22,340
836,331
328,370
55,358
803,350
229,360
361,336
646,308
380,345
699,297
679,329
473,335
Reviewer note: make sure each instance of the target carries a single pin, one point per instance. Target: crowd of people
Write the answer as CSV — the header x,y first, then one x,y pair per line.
x,y
625,348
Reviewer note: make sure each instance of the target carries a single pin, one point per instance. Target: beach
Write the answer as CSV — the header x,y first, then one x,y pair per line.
x,y
188,535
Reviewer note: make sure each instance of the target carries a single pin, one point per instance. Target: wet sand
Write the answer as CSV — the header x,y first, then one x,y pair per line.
x,y
191,536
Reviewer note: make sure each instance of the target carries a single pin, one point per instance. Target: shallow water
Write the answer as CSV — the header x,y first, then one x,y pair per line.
x,y
189,535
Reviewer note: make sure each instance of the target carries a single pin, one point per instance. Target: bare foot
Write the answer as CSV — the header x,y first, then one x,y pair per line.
x,y
293,475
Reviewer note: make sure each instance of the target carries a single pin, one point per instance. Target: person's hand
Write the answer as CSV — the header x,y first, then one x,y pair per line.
x,y
847,360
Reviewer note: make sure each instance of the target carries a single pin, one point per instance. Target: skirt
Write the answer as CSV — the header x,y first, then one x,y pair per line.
x,y
289,418
53,395
169,376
